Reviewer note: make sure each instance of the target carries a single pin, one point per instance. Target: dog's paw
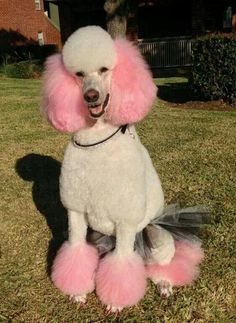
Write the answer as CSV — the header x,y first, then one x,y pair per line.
x,y
165,288
113,309
74,268
120,282
81,299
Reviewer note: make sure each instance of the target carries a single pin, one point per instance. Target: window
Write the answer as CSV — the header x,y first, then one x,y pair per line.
x,y
40,38
37,4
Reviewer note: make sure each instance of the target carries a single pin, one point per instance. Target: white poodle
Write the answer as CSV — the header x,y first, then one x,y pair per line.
x,y
97,89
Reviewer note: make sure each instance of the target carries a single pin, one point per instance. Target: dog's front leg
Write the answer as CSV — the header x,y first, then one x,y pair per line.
x,y
75,264
121,276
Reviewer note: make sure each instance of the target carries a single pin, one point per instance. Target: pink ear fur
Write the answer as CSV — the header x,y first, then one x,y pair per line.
x,y
62,99
132,89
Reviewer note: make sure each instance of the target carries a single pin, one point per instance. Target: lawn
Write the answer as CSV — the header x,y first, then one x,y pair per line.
x,y
194,154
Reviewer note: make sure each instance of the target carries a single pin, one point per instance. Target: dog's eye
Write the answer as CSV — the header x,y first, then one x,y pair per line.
x,y
103,70
80,74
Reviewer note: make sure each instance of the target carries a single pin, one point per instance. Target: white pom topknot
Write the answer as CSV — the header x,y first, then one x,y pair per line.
x,y
83,51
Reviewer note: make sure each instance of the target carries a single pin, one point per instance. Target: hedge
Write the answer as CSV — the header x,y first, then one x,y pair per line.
x,y
214,67
14,54
25,69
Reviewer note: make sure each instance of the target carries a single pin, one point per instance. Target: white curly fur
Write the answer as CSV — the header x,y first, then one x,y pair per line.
x,y
88,49
114,185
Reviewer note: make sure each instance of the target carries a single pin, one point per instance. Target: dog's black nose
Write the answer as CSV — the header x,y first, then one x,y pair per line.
x,y
91,95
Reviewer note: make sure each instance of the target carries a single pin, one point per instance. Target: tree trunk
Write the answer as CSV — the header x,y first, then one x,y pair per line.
x,y
117,11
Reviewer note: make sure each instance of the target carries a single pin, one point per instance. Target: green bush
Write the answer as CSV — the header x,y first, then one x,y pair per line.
x,y
14,54
23,70
214,67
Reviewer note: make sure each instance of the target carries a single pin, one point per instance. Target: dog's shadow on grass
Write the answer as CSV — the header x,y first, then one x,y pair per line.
x,y
44,172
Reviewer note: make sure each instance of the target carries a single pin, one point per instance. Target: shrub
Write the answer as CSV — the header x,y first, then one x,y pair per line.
x,y
214,67
14,54
24,70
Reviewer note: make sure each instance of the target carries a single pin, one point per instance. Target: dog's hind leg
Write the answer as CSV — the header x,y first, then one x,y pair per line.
x,y
181,270
121,276
74,267
162,250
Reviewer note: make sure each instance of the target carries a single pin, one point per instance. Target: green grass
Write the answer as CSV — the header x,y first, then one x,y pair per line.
x,y
194,154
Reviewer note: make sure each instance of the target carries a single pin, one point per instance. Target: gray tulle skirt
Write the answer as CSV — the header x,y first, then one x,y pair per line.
x,y
181,223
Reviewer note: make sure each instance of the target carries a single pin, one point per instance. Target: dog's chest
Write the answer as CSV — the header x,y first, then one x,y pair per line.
x,y
94,181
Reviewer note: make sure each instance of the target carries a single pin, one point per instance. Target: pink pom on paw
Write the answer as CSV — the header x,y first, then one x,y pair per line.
x,y
192,252
73,270
182,269
121,282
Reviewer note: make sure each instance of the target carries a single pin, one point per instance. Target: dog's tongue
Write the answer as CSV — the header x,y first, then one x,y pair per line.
x,y
96,110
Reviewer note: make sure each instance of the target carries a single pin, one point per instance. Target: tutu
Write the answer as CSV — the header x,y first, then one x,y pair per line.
x,y
181,223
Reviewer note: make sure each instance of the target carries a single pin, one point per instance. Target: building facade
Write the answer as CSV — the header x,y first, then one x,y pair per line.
x,y
153,18
24,22
52,21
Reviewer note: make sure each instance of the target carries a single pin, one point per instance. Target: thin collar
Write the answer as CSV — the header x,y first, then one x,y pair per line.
x,y
78,145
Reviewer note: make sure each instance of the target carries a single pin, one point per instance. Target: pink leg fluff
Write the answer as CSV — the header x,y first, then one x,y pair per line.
x,y
182,269
121,282
74,268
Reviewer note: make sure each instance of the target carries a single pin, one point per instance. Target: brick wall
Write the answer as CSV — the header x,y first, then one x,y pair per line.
x,y
22,21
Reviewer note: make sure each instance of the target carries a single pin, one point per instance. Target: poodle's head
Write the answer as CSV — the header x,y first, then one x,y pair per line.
x,y
96,77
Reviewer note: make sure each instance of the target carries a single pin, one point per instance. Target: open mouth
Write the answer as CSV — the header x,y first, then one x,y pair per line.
x,y
97,110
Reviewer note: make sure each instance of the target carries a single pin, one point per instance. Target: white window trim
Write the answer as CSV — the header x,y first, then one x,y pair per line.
x,y
37,4
40,38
